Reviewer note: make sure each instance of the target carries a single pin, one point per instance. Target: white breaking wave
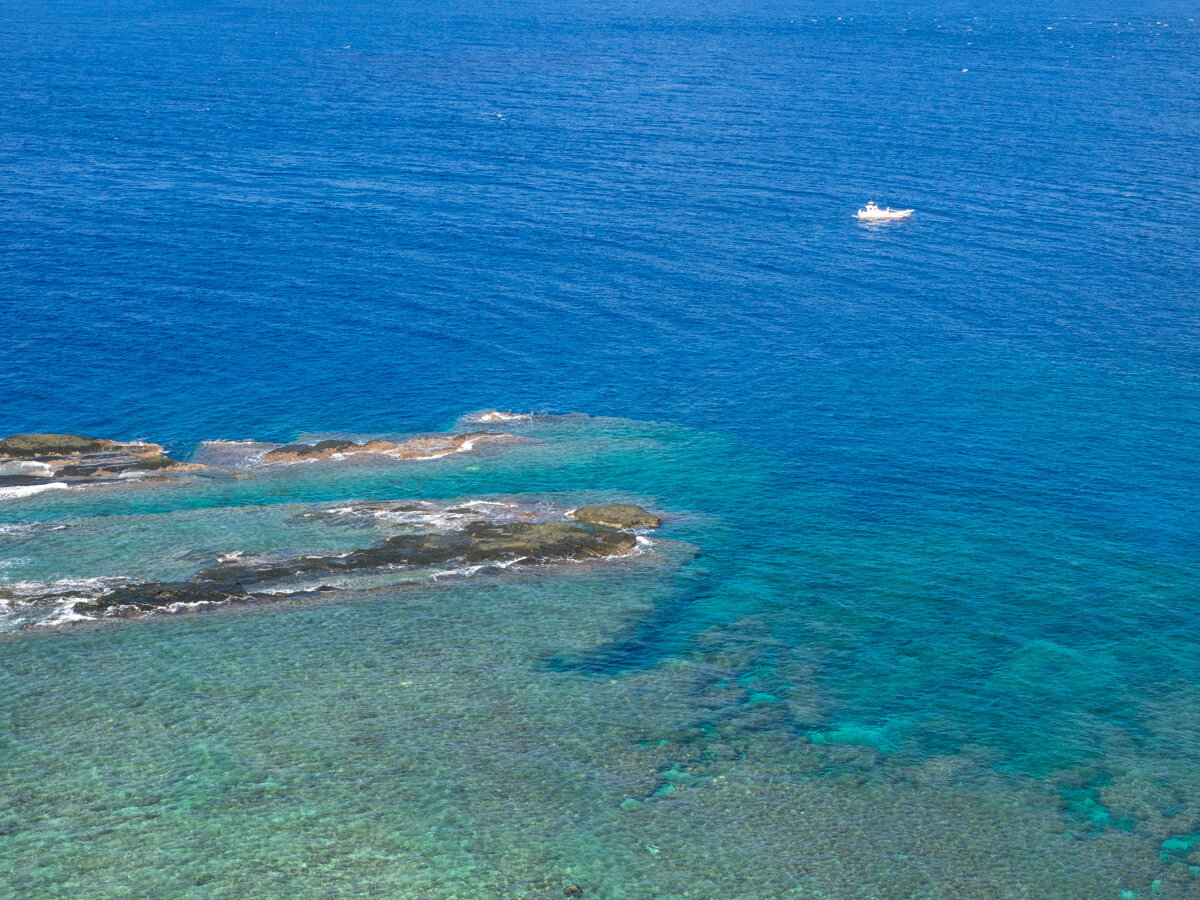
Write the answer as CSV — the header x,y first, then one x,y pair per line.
x,y
405,452
196,604
46,604
467,571
495,415
422,515
51,604
24,529
21,491
435,520
66,617
26,467
75,589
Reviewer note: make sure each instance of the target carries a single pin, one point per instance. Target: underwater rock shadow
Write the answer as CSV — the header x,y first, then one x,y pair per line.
x,y
645,644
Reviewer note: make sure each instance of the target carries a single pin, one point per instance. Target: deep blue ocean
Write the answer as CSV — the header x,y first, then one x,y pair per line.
x,y
922,620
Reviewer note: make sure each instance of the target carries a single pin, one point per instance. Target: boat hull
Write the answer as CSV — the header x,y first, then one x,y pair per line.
x,y
890,215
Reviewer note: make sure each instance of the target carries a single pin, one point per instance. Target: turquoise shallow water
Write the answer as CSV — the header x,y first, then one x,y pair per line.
x,y
778,698
921,620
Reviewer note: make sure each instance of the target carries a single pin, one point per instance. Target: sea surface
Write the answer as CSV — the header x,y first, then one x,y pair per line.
x,y
923,617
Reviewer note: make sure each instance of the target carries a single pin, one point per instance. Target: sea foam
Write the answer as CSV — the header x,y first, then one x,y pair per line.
x,y
22,491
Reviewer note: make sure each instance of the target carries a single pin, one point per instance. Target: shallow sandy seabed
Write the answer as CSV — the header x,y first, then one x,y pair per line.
x,y
384,747
729,715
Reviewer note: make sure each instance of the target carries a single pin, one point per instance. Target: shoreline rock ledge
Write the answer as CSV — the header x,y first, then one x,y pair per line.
x,y
429,447
616,515
73,456
491,547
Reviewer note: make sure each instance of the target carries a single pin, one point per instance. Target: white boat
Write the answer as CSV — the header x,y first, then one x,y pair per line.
x,y
872,213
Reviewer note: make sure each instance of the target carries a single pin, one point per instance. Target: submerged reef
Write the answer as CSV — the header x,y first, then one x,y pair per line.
x,y
480,542
461,538
415,448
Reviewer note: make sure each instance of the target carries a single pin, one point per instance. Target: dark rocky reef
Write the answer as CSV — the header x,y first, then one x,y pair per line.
x,y
32,446
415,448
263,580
71,457
157,463
616,515
324,450
137,599
480,542
33,459
20,479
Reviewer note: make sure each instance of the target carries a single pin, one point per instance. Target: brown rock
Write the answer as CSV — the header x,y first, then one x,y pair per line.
x,y
616,515
320,450
28,446
415,448
94,459
479,542
427,447
157,463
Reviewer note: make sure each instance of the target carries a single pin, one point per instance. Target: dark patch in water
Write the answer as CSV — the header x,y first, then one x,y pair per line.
x,y
647,643
480,542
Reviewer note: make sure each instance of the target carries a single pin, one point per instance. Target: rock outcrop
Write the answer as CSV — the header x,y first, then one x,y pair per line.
x,y
324,450
616,515
71,457
415,448
435,539
477,543
260,581
137,599
31,446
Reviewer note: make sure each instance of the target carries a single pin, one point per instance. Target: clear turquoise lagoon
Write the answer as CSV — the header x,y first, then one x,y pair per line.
x,y
921,618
